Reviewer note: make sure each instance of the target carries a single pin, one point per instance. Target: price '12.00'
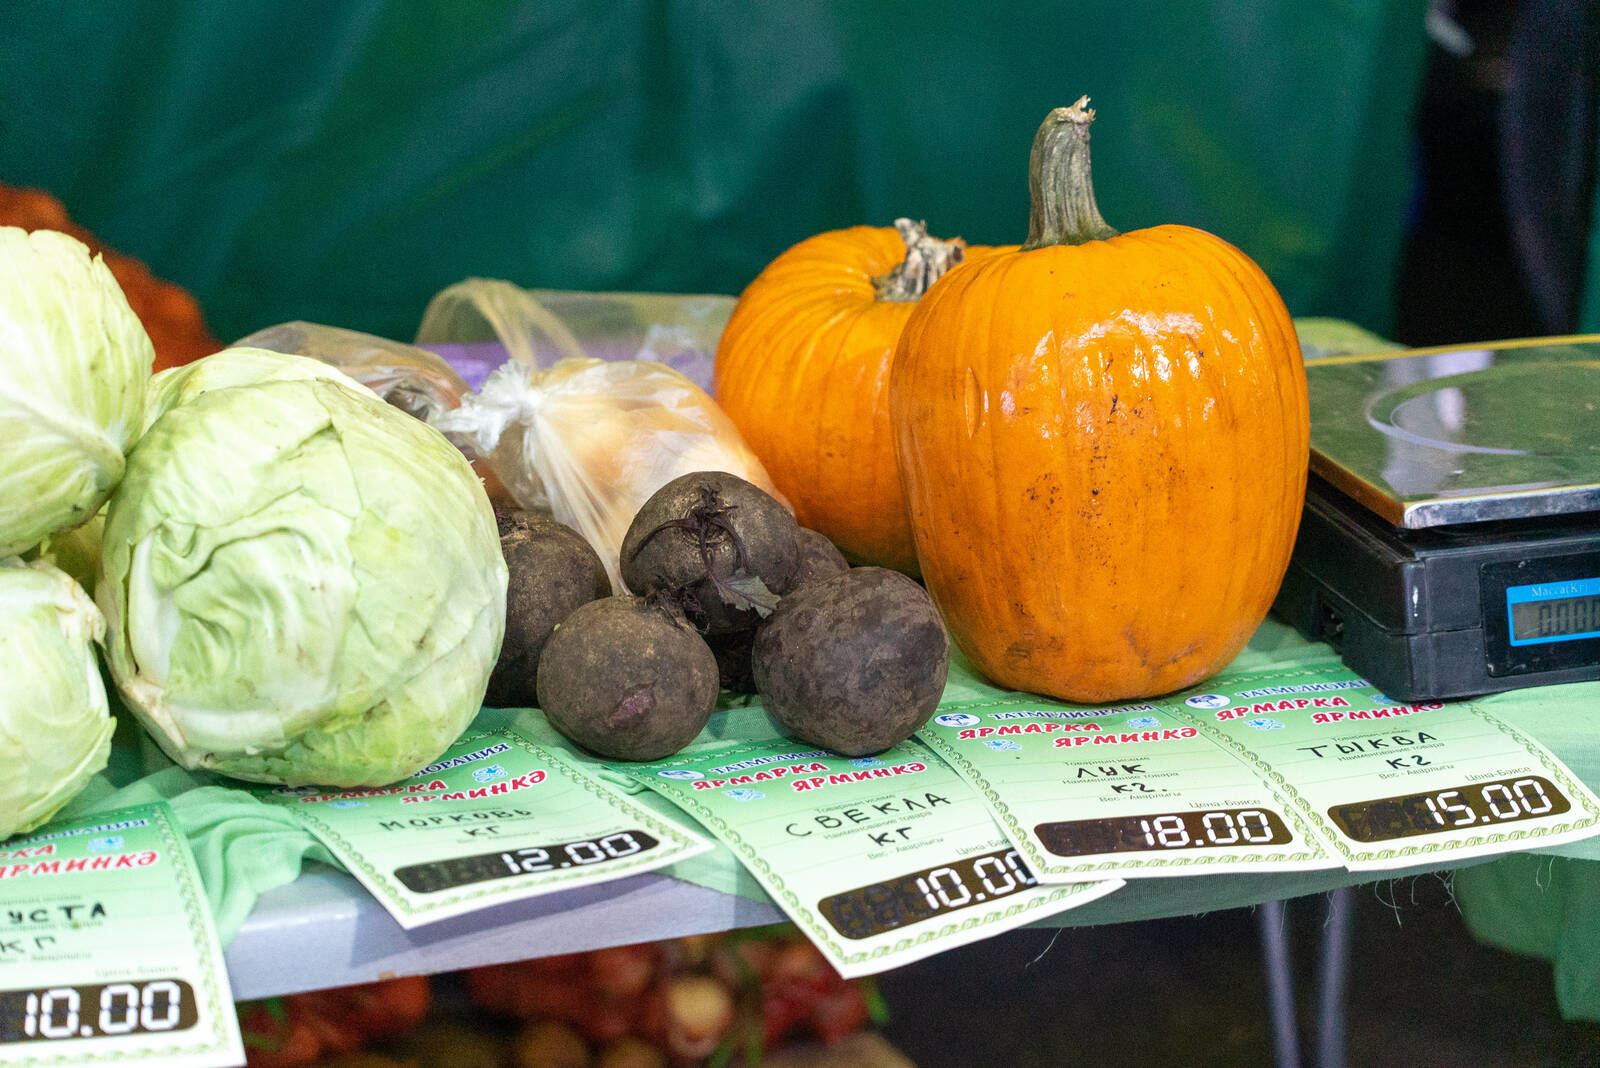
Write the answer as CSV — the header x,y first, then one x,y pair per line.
x,y
437,875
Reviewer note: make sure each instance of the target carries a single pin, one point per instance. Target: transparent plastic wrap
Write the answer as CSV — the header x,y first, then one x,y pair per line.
x,y
589,439
412,379
484,318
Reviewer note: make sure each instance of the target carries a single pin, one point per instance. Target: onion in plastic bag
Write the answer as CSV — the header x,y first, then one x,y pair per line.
x,y
589,439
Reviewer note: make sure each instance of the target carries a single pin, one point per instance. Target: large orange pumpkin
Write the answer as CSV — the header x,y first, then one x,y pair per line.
x,y
803,371
1103,440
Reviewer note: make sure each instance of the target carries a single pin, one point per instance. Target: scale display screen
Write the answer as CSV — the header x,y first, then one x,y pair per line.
x,y
1541,614
1554,611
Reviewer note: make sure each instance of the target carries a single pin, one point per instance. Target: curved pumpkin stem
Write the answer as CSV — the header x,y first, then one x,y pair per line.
x,y
927,259
1059,182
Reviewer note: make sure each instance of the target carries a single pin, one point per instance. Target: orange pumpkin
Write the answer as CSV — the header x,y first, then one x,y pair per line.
x,y
803,370
1103,440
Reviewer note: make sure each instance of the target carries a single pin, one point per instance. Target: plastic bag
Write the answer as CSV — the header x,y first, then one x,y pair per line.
x,y
412,379
486,319
589,439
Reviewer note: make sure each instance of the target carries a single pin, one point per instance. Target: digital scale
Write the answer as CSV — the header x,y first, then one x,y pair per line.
x,y
1450,544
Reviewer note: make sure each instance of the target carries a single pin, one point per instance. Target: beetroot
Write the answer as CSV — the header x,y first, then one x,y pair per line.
x,y
628,678
720,547
552,570
853,663
819,558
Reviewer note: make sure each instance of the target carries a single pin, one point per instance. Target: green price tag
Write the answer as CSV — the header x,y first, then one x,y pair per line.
x,y
1391,783
497,818
881,860
107,950
1126,791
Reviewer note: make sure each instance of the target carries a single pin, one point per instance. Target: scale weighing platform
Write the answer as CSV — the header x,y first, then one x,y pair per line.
x,y
1450,544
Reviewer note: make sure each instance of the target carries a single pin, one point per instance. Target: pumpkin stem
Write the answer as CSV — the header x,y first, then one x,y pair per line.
x,y
927,259
1062,190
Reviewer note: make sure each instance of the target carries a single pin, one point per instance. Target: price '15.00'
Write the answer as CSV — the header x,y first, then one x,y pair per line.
x,y
1436,811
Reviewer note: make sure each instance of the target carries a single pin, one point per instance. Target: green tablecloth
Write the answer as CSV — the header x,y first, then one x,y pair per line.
x,y
1535,904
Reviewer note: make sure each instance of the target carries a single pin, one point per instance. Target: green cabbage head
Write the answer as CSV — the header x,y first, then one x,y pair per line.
x,y
55,730
237,365
302,584
74,360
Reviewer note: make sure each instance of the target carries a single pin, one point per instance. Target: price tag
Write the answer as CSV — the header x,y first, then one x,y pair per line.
x,y
880,860
1390,783
107,949
1126,791
497,818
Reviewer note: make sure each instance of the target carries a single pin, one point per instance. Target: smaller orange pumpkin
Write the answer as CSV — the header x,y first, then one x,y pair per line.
x,y
803,371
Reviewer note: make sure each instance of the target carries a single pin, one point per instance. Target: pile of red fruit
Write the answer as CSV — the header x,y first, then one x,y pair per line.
x,y
719,999
674,1003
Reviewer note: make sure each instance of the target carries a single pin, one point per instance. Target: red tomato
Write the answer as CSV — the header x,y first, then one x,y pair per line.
x,y
277,1037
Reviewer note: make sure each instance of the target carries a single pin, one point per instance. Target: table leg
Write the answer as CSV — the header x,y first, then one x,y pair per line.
x,y
1272,917
1336,938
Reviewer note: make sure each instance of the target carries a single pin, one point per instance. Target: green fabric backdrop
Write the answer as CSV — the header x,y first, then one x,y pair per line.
x,y
341,162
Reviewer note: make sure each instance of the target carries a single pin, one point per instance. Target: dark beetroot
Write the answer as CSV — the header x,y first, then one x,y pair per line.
x,y
720,547
733,659
551,571
628,678
853,663
819,559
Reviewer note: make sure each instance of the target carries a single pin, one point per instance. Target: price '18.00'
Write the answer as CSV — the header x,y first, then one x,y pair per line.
x,y
1223,828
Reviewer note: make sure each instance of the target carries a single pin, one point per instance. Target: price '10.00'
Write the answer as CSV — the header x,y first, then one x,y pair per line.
x,y
97,1011
884,906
